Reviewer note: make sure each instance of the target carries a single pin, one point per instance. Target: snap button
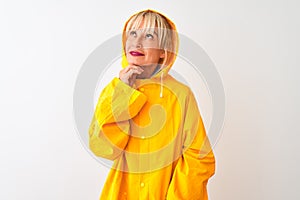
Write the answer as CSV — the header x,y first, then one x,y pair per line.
x,y
143,137
142,89
142,184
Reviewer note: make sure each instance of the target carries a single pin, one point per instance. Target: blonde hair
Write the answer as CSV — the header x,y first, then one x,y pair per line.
x,y
166,30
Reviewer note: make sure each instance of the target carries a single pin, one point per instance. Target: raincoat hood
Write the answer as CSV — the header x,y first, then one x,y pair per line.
x,y
170,55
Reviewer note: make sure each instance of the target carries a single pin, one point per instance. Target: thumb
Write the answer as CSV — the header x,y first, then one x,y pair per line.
x,y
132,79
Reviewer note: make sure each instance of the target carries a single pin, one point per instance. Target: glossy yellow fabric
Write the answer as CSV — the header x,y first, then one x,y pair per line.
x,y
158,144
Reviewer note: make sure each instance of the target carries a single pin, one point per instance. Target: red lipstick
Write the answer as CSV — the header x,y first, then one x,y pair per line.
x,y
136,53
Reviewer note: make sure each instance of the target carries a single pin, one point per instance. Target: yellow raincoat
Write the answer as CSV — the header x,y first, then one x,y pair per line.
x,y
154,133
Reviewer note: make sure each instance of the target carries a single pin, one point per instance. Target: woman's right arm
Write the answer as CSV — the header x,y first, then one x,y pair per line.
x,y
110,129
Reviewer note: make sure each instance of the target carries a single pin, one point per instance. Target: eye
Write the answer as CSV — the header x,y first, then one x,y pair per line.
x,y
149,35
132,33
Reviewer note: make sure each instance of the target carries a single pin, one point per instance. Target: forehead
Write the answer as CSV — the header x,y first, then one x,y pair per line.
x,y
146,22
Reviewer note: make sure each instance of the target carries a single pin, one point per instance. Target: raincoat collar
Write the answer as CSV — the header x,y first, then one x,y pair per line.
x,y
158,77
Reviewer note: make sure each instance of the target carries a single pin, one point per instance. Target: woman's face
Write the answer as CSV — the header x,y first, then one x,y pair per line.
x,y
142,47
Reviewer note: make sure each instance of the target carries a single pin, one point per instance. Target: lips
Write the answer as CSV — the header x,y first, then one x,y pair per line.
x,y
136,53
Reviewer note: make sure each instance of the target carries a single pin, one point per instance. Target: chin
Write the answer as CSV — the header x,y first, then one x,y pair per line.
x,y
135,61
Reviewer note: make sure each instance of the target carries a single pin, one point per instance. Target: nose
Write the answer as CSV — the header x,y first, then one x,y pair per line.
x,y
138,41
138,45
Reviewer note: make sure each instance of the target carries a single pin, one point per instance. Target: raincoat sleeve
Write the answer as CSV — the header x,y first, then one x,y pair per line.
x,y
109,130
197,163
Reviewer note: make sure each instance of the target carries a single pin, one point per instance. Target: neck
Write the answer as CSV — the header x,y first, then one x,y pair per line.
x,y
148,71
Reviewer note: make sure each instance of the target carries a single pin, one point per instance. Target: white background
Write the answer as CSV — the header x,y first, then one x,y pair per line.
x,y
254,45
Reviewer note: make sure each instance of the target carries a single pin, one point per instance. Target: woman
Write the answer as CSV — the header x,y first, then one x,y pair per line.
x,y
149,123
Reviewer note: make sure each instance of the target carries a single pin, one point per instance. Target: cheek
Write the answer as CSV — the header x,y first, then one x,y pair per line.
x,y
153,55
127,45
130,42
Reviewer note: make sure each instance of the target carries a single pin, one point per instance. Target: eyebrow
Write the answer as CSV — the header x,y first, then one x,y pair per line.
x,y
154,32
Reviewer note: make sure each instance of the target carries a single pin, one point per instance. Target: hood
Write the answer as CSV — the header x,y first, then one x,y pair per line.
x,y
170,56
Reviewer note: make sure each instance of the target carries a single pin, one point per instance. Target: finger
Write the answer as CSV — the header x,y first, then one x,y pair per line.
x,y
126,73
138,68
132,79
126,69
135,67
134,71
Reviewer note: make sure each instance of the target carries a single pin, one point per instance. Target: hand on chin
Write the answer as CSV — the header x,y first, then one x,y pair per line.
x,y
140,76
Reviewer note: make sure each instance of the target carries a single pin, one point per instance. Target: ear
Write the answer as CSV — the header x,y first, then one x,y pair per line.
x,y
162,54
